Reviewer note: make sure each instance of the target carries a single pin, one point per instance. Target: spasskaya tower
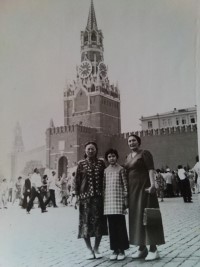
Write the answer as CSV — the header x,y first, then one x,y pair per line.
x,y
92,100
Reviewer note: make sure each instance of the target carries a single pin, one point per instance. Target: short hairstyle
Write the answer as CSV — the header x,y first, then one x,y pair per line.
x,y
91,143
180,166
136,137
19,177
111,151
35,170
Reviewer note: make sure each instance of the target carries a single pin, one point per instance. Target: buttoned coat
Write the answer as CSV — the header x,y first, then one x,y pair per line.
x,y
115,189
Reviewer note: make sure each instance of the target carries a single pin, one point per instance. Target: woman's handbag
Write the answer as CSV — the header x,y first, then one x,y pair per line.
x,y
152,217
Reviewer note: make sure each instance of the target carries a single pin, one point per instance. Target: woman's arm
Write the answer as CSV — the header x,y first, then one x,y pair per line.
x,y
152,188
77,180
124,181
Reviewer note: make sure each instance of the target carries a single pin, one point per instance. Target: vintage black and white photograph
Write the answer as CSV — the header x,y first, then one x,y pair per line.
x,y
99,115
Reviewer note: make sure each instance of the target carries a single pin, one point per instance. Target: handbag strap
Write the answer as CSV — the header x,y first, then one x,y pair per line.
x,y
148,200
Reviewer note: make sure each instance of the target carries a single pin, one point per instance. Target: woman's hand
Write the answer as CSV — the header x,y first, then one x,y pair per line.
x,y
151,189
125,203
77,199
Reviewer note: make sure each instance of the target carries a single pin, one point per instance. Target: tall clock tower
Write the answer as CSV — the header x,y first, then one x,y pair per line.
x,y
92,100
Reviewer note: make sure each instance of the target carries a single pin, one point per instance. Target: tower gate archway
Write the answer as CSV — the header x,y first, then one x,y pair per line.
x,y
62,166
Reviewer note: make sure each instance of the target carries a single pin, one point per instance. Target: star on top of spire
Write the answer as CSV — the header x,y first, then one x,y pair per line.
x,y
92,22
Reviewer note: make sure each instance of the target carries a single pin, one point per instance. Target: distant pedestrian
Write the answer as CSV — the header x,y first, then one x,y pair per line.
x,y
26,191
44,188
115,204
18,190
10,190
196,169
191,176
185,185
89,192
168,178
3,193
160,184
174,184
72,190
64,189
52,181
36,184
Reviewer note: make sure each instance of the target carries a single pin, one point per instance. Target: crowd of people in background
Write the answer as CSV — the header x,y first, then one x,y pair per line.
x,y
47,188
182,182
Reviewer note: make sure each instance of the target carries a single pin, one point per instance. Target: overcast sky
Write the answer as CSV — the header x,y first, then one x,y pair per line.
x,y
149,49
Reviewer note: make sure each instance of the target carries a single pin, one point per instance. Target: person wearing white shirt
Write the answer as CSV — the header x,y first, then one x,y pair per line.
x,y
52,187
185,185
196,169
4,193
36,184
168,178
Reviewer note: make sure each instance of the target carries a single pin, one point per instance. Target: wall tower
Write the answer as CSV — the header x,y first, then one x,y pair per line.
x,y
18,145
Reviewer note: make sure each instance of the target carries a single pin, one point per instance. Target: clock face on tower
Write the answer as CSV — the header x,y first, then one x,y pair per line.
x,y
85,69
102,70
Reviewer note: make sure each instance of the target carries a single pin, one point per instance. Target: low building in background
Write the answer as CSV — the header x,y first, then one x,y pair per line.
x,y
177,117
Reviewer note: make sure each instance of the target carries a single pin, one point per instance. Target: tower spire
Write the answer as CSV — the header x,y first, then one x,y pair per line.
x,y
92,22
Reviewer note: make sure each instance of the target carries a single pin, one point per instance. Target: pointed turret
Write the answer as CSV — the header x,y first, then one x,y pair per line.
x,y
92,22
18,145
51,124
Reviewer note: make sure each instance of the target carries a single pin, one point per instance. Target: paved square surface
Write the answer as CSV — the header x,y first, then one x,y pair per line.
x,y
50,239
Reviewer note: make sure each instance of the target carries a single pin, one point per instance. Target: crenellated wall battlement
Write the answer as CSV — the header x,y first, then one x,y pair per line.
x,y
163,131
152,132
70,129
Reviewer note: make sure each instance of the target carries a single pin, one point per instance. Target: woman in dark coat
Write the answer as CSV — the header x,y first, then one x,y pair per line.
x,y
89,191
142,194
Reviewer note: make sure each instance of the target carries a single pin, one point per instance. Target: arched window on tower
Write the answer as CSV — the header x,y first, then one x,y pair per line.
x,y
85,38
92,88
94,37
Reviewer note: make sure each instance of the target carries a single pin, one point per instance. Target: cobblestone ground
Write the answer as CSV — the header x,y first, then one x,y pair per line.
x,y
50,239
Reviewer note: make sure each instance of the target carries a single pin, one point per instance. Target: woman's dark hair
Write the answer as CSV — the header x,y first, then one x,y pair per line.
x,y
111,151
180,166
136,137
158,170
91,143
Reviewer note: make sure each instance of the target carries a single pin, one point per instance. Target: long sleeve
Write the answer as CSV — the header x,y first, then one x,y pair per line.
x,y
77,180
104,182
124,181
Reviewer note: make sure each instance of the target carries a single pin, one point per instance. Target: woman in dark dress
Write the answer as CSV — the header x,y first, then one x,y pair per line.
x,y
89,191
142,194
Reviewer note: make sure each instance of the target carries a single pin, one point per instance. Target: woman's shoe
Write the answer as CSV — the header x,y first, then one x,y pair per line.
x,y
89,255
97,255
121,256
113,256
152,256
140,254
